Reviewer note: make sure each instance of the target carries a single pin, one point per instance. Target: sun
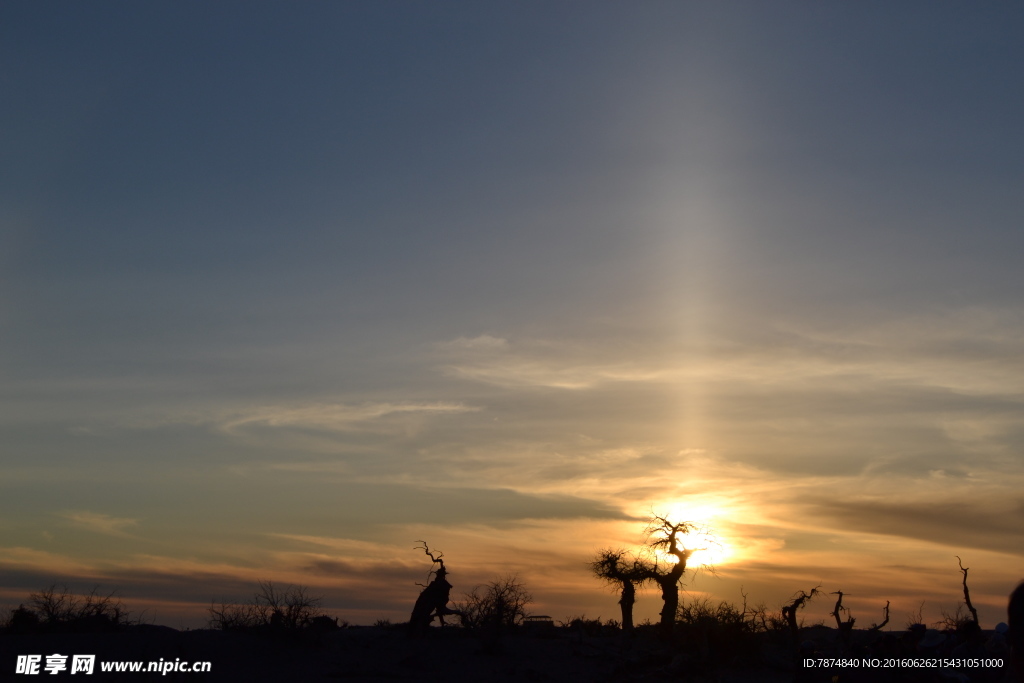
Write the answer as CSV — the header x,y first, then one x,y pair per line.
x,y
711,551
710,547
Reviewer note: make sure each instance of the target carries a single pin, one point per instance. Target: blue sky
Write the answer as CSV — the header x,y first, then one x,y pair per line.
x,y
285,288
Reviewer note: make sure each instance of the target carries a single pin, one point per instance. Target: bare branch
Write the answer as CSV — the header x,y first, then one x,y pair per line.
x,y
967,593
878,627
789,611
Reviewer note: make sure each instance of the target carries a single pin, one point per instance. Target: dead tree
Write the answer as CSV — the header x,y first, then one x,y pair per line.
x,y
878,627
789,612
664,535
967,593
837,613
433,599
625,572
845,627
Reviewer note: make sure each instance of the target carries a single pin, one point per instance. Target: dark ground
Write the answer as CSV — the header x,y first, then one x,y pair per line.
x,y
360,654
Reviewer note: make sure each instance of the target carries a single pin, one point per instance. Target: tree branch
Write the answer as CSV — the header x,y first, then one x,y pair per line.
x,y
967,593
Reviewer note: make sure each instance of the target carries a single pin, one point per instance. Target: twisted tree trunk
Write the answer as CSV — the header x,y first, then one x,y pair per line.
x,y
626,603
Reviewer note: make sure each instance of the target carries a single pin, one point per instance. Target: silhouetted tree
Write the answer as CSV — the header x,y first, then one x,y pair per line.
x,y
845,626
21,620
500,604
790,611
493,608
967,592
58,609
433,599
290,608
878,626
665,535
625,571
272,608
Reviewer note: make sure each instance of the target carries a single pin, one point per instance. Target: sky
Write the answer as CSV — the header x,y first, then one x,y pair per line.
x,y
287,288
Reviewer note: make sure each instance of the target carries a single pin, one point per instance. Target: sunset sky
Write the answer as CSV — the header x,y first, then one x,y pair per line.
x,y
288,287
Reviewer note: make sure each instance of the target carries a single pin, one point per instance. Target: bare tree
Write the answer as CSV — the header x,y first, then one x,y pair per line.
x,y
667,536
231,616
290,608
493,608
885,611
759,619
56,607
838,610
790,611
626,572
845,627
916,617
433,599
498,604
967,593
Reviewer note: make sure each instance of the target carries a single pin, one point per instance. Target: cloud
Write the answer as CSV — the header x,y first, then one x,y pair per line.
x,y
967,354
955,523
23,556
483,342
539,363
100,523
333,416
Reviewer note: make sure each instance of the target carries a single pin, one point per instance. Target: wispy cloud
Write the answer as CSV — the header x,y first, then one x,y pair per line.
x,y
100,523
333,416
482,342
538,363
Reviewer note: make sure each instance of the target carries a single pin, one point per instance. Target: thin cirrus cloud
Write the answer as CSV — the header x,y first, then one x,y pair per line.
x,y
101,523
494,360
333,417
970,349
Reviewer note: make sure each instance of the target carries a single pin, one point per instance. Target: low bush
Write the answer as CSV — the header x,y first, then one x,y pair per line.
x,y
273,608
58,609
498,604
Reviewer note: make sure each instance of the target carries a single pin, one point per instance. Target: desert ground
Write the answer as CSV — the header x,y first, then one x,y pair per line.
x,y
580,652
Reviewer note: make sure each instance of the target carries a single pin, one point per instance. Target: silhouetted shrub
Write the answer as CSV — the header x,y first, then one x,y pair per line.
x,y
57,609
723,614
583,626
723,632
229,616
388,625
272,608
761,620
960,622
915,618
326,624
500,604
22,620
